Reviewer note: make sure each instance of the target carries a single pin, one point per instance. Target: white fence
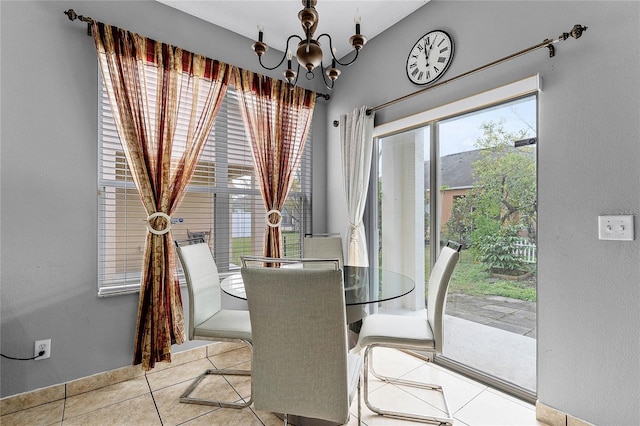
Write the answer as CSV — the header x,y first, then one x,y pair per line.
x,y
526,250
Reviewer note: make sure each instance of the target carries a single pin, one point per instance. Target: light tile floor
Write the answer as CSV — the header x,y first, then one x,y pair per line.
x,y
152,399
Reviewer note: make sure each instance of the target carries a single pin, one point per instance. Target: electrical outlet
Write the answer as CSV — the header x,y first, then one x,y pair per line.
x,y
42,345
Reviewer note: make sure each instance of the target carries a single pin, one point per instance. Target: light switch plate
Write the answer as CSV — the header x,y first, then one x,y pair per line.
x,y
616,227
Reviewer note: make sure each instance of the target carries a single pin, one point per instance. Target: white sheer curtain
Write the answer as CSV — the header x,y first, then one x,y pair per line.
x,y
356,139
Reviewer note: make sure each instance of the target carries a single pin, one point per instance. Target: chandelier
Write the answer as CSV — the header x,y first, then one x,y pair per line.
x,y
309,51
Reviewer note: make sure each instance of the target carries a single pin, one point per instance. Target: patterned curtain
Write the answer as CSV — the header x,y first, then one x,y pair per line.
x,y
148,83
277,119
356,139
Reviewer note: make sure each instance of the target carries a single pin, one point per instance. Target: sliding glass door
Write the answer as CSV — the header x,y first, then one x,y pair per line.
x,y
469,178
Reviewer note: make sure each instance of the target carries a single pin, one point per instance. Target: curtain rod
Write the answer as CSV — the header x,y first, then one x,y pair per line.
x,y
72,15
575,32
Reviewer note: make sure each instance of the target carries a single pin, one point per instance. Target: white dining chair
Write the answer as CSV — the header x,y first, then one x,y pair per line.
x,y
207,319
411,333
323,246
301,365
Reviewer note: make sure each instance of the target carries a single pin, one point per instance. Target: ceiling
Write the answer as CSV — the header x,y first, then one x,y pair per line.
x,y
280,18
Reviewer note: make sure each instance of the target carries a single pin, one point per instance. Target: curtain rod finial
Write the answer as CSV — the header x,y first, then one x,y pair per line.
x,y
71,14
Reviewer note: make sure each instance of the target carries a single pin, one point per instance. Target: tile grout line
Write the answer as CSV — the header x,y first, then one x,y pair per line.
x,y
469,402
64,404
153,398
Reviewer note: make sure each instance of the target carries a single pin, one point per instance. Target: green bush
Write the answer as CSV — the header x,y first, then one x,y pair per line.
x,y
497,249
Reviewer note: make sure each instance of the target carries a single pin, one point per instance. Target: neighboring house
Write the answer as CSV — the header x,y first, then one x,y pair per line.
x,y
456,178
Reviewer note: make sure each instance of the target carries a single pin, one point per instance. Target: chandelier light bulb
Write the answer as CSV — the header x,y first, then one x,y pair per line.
x,y
260,32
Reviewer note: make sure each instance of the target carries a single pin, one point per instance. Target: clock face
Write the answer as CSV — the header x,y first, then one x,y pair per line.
x,y
430,57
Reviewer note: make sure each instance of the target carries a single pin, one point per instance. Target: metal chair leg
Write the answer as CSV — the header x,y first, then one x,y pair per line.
x,y
368,366
359,403
185,398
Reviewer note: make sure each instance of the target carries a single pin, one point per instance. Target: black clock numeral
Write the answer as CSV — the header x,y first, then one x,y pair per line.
x,y
444,50
420,47
441,41
420,75
428,74
415,72
413,65
436,70
442,59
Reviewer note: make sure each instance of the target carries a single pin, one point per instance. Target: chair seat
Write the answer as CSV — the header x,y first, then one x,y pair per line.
x,y
225,323
396,329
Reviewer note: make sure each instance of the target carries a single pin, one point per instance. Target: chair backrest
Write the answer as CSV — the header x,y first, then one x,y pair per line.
x,y
203,282
323,246
298,324
199,234
437,292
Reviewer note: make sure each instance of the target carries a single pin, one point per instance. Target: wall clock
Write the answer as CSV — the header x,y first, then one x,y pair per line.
x,y
430,57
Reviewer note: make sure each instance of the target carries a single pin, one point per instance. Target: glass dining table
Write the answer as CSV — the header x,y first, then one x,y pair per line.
x,y
362,286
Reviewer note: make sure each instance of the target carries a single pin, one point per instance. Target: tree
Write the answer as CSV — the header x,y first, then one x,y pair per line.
x,y
502,203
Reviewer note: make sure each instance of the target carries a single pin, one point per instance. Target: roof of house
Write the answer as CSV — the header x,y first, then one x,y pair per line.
x,y
456,169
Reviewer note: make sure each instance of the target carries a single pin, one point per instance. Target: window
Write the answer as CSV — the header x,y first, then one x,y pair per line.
x,y
223,203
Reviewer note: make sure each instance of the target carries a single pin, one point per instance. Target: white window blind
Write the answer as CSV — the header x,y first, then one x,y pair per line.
x,y
222,202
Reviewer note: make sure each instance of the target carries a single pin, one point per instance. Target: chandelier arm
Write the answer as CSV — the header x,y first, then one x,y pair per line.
x,y
324,79
346,64
296,80
283,56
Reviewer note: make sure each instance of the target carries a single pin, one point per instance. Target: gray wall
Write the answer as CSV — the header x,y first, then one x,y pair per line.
x,y
589,164
48,183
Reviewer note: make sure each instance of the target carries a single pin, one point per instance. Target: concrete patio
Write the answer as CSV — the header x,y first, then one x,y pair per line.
x,y
493,334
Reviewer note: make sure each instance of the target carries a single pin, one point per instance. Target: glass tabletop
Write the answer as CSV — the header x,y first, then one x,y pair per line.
x,y
362,285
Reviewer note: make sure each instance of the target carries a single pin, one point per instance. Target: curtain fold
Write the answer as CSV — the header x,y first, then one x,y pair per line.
x,y
147,84
356,141
277,119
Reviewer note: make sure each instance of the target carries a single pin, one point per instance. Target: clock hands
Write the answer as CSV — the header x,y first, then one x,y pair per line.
x,y
426,51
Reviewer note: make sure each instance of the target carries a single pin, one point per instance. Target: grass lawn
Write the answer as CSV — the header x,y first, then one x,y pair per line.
x,y
241,246
470,277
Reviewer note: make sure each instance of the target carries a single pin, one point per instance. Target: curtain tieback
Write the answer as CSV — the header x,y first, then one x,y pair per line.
x,y
161,231
353,231
267,218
